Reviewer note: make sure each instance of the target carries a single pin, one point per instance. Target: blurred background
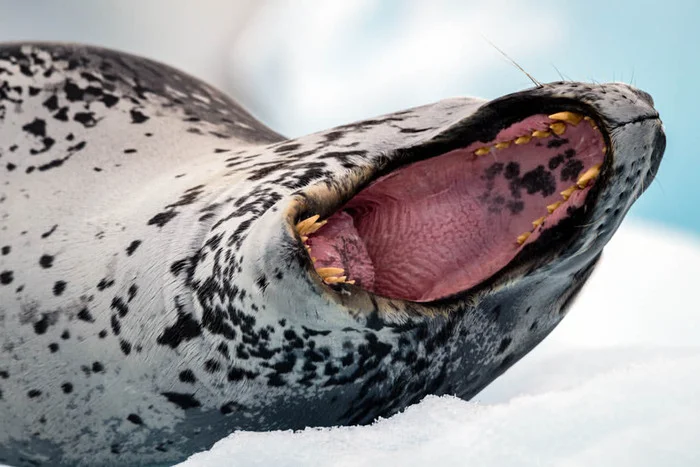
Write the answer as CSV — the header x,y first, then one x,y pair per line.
x,y
302,66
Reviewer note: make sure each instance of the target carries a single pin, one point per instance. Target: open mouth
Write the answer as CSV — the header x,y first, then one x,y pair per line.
x,y
442,225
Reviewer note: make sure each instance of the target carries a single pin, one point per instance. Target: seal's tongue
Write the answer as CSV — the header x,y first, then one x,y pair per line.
x,y
445,224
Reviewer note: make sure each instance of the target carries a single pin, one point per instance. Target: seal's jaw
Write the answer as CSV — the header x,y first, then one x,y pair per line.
x,y
439,226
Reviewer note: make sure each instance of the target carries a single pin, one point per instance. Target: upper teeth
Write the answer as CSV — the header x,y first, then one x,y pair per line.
x,y
568,117
558,128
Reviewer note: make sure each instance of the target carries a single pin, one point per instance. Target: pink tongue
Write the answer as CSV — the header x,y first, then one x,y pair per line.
x,y
442,225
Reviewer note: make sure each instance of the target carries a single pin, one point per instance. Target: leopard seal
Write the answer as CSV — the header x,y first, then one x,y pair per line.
x,y
171,270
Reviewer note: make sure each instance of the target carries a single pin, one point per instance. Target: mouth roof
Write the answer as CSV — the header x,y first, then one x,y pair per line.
x,y
443,225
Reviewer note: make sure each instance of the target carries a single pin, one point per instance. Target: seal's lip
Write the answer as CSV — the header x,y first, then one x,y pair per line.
x,y
329,197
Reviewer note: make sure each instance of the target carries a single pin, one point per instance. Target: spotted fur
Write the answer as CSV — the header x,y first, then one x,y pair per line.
x,y
153,300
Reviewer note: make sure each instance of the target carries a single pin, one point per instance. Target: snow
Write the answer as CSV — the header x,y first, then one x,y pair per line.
x,y
616,384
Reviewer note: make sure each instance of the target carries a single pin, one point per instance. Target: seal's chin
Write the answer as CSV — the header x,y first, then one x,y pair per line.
x,y
442,225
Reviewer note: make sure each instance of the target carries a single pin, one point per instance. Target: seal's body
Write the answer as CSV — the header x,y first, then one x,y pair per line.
x,y
155,289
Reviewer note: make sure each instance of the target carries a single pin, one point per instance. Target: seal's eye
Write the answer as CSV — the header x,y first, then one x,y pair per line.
x,y
444,224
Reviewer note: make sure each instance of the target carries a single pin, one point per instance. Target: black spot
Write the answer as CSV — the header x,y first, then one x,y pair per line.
x,y
539,180
51,103
42,325
187,376
59,287
65,335
275,380
6,250
286,365
125,346
46,261
556,142
62,115
102,334
87,119
116,326
212,366
104,283
53,347
571,170
137,116
135,419
512,170
97,367
132,247
237,374
119,305
504,345
36,128
85,315
184,329
129,151
67,388
133,289
182,400
162,218
261,282
6,277
569,153
555,161
73,91
33,393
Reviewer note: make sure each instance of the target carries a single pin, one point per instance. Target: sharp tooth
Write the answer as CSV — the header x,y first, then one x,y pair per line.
x,y
306,223
334,280
522,139
552,207
558,128
304,238
521,238
541,134
566,193
502,145
327,272
568,117
352,281
313,260
315,227
482,151
588,175
538,222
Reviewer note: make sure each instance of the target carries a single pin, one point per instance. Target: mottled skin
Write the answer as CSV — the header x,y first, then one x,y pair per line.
x,y
153,296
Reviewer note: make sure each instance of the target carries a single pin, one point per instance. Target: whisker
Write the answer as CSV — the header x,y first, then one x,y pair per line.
x,y
561,75
537,83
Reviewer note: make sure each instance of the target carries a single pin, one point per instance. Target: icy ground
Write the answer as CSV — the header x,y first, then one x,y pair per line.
x,y
616,384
